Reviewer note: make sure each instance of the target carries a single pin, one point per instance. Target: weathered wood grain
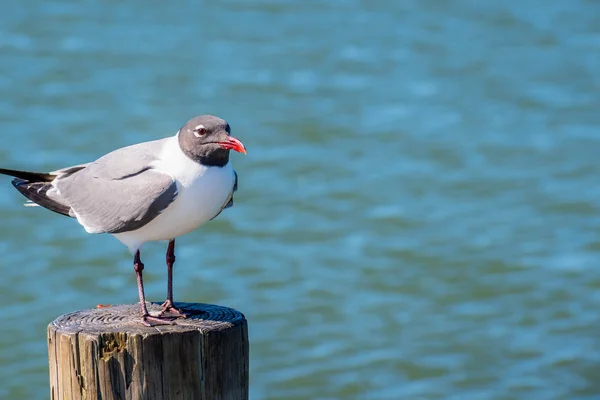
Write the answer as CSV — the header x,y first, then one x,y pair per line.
x,y
107,354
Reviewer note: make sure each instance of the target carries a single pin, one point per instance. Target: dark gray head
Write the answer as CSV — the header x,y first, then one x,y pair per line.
x,y
206,140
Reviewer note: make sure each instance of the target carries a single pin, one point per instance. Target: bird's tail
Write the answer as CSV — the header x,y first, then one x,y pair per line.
x,y
35,186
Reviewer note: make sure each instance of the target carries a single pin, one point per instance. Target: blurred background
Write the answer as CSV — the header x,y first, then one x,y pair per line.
x,y
418,211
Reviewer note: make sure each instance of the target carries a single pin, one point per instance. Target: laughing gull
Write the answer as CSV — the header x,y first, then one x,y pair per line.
x,y
151,191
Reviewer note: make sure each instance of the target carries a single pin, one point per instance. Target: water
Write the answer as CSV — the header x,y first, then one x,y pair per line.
x,y
417,215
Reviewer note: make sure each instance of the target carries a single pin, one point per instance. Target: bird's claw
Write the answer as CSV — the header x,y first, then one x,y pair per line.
x,y
170,311
150,320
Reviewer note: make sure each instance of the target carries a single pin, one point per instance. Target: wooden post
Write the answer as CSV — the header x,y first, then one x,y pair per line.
x,y
107,354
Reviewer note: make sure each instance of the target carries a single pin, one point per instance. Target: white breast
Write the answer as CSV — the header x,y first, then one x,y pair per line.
x,y
202,193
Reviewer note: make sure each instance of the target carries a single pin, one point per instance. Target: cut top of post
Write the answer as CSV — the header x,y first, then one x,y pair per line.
x,y
126,318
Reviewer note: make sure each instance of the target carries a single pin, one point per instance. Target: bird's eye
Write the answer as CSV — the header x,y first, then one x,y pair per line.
x,y
199,131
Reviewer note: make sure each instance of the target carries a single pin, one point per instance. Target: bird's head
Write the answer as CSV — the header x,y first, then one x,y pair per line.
x,y
206,139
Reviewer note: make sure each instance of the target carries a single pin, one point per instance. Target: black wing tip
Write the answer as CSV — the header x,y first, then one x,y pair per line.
x,y
28,176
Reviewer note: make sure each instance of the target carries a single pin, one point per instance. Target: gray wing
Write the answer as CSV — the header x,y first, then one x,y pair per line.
x,y
229,202
119,192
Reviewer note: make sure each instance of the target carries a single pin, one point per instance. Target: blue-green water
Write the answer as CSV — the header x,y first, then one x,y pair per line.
x,y
418,214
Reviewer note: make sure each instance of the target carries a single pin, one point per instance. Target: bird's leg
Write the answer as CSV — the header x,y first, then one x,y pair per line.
x,y
147,319
168,307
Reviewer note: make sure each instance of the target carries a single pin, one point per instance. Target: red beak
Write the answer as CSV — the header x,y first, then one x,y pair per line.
x,y
233,144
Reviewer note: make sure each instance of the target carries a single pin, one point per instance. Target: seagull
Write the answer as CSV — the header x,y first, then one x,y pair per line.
x,y
151,191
